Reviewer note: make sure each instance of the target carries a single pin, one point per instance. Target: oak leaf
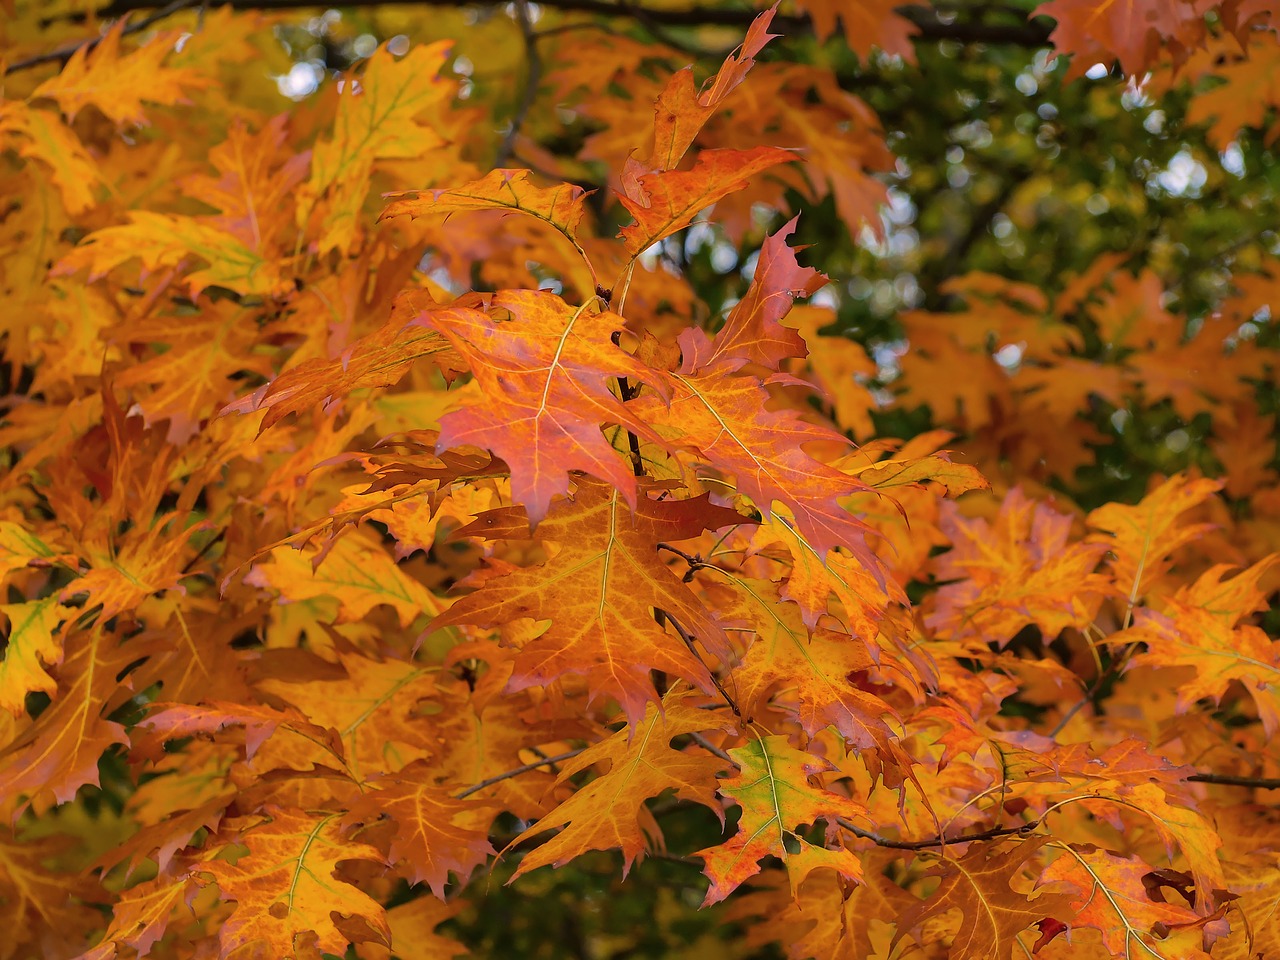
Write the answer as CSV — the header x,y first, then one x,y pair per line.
x,y
600,591
609,811
666,202
544,377
723,421
993,913
773,789
1023,569
1108,894
434,834
285,888
118,84
394,110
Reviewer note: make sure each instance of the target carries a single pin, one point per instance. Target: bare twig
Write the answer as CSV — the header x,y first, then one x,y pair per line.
x,y
1227,780
993,834
662,616
710,747
63,54
507,775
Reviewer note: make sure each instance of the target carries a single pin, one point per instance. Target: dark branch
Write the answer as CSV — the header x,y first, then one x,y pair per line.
x,y
929,24
507,775
533,76
1260,783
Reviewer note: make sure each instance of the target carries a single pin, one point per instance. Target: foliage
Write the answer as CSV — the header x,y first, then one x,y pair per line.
x,y
430,523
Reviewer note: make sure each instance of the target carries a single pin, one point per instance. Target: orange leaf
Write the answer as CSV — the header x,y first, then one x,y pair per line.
x,y
666,202
286,890
434,833
609,811
992,913
119,84
776,797
599,591
544,379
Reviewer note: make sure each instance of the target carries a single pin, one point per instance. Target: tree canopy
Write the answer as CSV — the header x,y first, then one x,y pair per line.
x,y
607,480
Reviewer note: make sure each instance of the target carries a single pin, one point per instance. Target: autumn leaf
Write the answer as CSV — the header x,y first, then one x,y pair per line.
x,y
1131,31
993,913
666,202
285,890
774,791
724,422
379,359
813,674
1108,894
33,644
606,592
681,111
59,753
118,84
393,111
43,136
752,332
544,378
1140,538
354,571
435,834
168,240
562,207
373,710
609,811
1021,570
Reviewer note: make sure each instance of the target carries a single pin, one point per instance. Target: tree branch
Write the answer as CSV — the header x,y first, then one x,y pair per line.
x,y
533,76
928,23
63,54
1227,780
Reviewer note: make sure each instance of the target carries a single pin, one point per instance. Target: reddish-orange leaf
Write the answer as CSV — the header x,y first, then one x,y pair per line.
x,y
1134,32
723,421
752,333
666,202
544,377
812,674
1108,894
681,111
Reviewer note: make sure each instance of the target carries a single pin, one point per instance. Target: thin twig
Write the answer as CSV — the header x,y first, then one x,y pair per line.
x,y
533,76
661,616
63,54
710,747
498,778
1227,780
993,834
